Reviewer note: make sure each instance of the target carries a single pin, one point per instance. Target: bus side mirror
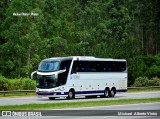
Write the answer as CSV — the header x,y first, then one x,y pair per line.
x,y
33,74
61,71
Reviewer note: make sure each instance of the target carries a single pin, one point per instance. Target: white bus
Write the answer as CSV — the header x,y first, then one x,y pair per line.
x,y
80,76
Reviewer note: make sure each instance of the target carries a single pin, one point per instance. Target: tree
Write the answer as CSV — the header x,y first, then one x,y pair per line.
x,y
22,37
146,24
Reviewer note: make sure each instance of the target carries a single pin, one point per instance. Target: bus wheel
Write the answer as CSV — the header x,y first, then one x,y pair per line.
x,y
106,93
71,94
112,93
52,98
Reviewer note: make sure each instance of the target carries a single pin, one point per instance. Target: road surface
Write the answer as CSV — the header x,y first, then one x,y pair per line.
x,y
31,100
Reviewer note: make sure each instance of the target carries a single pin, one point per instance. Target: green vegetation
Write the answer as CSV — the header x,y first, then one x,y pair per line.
x,y
101,28
78,104
144,66
144,81
16,84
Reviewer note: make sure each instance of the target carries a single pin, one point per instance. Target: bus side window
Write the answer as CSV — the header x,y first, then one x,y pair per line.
x,y
74,67
87,67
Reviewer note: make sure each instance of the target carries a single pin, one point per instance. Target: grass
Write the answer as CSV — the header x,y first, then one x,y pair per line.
x,y
77,104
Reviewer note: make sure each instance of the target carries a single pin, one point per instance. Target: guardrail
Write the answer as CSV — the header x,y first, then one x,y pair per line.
x,y
17,91
33,91
143,87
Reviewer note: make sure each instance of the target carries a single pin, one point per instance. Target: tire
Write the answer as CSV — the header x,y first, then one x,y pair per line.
x,y
106,93
112,93
71,94
52,98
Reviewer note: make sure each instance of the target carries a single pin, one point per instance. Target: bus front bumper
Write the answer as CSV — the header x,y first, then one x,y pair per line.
x,y
51,94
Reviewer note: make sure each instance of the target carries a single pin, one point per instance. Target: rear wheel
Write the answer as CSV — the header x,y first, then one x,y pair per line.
x,y
106,93
52,98
112,93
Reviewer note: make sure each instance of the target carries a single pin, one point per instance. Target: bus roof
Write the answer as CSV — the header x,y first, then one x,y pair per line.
x,y
57,59
82,58
96,59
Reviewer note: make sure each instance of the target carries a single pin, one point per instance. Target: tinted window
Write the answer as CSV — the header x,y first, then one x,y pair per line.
x,y
98,66
65,65
48,66
62,77
46,81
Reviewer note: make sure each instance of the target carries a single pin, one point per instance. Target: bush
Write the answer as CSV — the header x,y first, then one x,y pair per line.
x,y
16,84
141,82
136,68
153,66
28,84
154,82
153,71
4,84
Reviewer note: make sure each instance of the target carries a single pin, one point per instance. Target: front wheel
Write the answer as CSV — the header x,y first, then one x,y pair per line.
x,y
71,94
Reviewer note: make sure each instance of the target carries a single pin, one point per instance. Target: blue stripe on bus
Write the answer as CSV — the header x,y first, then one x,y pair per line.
x,y
78,92
98,91
89,92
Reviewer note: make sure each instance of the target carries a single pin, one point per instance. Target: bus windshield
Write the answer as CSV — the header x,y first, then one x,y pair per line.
x,y
48,66
46,81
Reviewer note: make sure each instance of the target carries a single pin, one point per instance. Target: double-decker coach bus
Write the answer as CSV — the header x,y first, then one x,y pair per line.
x,y
80,76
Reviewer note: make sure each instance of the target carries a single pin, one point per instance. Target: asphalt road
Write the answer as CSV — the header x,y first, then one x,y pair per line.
x,y
31,100
111,112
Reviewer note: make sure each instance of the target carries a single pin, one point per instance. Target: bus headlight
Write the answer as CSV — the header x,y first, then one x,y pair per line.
x,y
37,89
